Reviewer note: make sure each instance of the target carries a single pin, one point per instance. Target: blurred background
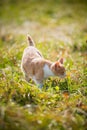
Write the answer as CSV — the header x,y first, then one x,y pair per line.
x,y
48,20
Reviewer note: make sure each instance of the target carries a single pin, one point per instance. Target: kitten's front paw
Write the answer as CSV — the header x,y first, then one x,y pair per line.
x,y
40,86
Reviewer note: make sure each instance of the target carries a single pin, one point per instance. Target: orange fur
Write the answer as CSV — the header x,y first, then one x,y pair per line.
x,y
34,66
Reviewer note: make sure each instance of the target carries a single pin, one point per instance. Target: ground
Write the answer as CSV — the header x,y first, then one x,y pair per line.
x,y
59,29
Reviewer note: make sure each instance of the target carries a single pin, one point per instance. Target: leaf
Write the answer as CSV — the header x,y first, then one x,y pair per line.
x,y
57,88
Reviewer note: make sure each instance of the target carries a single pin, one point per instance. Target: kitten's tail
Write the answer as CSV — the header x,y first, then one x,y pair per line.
x,y
31,42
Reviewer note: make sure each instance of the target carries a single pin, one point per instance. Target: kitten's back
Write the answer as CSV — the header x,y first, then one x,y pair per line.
x,y
30,53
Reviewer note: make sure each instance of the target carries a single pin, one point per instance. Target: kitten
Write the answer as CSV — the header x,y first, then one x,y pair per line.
x,y
35,67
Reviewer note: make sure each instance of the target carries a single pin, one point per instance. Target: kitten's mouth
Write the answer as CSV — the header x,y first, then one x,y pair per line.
x,y
62,76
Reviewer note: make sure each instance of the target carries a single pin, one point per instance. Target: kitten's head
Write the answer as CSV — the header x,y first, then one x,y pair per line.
x,y
58,68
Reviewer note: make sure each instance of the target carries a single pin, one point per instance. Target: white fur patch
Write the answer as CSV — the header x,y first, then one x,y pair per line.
x,y
47,71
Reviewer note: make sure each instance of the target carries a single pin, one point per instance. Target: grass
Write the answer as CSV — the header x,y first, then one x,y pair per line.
x,y
59,29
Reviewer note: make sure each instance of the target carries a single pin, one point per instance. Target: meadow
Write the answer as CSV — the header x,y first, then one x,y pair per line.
x,y
59,29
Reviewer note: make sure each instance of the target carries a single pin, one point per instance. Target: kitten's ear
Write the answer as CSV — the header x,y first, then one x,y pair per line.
x,y
61,60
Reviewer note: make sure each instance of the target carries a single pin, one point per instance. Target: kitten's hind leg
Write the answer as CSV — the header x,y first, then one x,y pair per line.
x,y
27,78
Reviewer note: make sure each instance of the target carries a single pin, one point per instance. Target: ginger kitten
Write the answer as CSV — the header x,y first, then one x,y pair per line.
x,y
35,67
